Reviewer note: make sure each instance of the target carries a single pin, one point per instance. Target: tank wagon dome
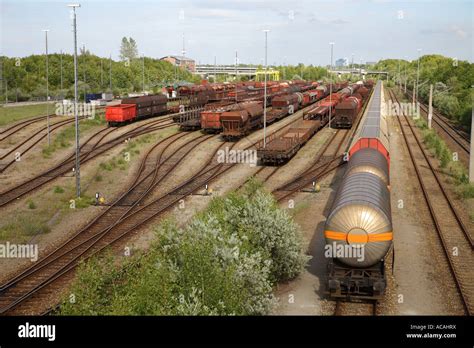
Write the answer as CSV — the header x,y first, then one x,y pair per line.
x,y
369,160
361,219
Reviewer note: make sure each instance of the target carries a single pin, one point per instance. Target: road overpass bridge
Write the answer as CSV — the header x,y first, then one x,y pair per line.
x,y
358,72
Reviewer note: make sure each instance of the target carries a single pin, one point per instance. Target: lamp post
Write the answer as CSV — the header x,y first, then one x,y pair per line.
x,y
352,64
330,87
110,73
236,57
143,73
418,74
215,69
84,61
61,62
47,87
265,94
76,118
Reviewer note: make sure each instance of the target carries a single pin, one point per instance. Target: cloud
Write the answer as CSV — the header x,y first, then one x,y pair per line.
x,y
336,21
459,32
454,29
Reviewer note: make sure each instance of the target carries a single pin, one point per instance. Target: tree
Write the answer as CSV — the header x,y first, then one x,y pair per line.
x,y
128,49
84,51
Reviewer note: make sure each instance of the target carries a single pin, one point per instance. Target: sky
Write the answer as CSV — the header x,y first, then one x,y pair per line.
x,y
300,30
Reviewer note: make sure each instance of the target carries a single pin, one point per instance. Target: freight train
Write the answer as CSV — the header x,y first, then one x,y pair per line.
x,y
211,120
194,97
281,148
346,111
135,108
239,123
358,229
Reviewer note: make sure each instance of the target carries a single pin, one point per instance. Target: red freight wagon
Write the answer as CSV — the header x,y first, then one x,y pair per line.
x,y
120,114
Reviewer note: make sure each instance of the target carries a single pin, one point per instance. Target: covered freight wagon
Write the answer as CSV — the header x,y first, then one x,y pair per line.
x,y
239,122
346,111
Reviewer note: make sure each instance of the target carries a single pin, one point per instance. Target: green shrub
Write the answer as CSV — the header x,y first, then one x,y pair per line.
x,y
224,262
58,189
31,205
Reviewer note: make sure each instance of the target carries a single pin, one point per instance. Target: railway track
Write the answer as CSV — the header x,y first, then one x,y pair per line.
x,y
328,159
322,165
22,124
451,132
131,212
27,144
455,238
91,148
355,308
117,220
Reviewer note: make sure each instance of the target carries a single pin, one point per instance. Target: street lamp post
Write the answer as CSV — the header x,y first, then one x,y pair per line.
x,y
76,118
110,74
399,77
61,63
236,57
330,87
418,74
47,87
215,69
265,94
352,64
406,78
143,73
84,61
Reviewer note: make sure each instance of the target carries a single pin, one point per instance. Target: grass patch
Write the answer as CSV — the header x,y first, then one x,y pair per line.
x,y
58,189
454,169
84,202
23,226
300,206
66,136
12,114
31,205
122,161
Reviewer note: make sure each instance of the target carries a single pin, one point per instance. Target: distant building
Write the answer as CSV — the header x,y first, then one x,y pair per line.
x,y
181,61
342,62
370,63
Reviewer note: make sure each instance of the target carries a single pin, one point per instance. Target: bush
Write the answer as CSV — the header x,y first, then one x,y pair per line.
x,y
224,262
31,205
58,189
